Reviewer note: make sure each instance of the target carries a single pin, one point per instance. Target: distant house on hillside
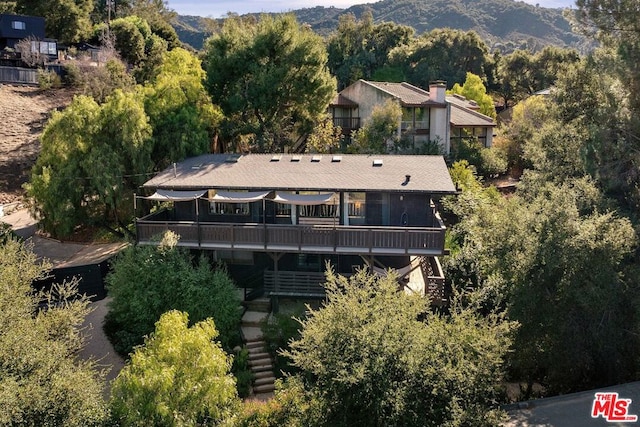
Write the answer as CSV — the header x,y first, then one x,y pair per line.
x,y
426,116
14,28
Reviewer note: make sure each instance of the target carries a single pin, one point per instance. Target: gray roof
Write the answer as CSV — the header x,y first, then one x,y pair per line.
x,y
407,94
465,117
301,172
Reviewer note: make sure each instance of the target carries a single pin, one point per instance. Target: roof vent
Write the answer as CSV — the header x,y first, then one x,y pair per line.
x,y
336,159
316,158
276,157
377,162
296,158
232,158
407,178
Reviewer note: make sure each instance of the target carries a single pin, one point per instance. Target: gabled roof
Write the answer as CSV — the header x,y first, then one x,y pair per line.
x,y
342,101
428,174
465,117
408,94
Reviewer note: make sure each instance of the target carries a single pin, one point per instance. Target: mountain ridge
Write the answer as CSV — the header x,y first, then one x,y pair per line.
x,y
503,24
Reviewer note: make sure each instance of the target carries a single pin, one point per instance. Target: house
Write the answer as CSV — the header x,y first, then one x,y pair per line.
x,y
14,28
426,116
282,217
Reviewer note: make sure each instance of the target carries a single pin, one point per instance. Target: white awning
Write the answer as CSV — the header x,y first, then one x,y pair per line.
x,y
238,196
176,196
305,199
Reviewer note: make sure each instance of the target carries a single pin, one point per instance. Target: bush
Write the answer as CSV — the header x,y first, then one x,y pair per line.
x,y
180,377
147,281
48,79
278,331
242,372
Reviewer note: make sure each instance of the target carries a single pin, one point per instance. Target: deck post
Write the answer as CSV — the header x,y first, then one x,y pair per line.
x,y
275,302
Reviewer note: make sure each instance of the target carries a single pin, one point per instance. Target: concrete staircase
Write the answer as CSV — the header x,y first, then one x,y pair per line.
x,y
260,360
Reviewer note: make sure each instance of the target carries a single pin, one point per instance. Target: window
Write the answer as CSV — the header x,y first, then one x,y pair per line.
x,y
415,118
218,208
18,25
476,133
283,210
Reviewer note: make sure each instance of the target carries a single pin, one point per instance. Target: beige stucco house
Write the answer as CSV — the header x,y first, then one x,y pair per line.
x,y
426,116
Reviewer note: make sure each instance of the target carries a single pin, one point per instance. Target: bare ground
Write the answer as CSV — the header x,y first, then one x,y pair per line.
x,y
24,111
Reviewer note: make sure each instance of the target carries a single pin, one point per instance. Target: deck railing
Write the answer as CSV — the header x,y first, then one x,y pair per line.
x,y
299,238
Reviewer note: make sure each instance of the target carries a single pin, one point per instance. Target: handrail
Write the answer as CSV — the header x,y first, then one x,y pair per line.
x,y
286,237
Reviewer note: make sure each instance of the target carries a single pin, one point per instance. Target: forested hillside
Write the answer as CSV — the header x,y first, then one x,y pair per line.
x,y
507,24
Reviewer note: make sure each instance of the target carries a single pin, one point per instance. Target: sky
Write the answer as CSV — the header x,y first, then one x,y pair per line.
x,y
219,8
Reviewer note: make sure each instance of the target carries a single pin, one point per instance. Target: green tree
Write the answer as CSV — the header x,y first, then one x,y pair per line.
x,y
180,111
616,24
90,163
527,118
473,89
147,281
523,73
325,137
179,377
359,48
69,21
42,382
379,135
562,271
443,54
370,361
270,79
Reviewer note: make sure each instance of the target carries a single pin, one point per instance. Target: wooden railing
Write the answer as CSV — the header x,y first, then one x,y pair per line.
x,y
299,238
347,123
434,281
294,284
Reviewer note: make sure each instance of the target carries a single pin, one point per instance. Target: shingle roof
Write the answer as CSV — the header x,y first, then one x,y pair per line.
x,y
464,117
341,100
408,94
351,173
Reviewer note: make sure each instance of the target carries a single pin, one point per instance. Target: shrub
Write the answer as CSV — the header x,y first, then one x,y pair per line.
x,y
278,331
48,79
147,281
242,372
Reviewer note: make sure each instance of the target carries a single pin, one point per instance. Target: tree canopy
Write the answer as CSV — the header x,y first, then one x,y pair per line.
x,y
369,359
271,80
180,376
42,382
147,281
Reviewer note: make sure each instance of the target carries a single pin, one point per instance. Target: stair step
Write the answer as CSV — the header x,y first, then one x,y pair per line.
x,y
256,345
264,381
262,368
263,374
260,362
254,318
251,333
259,304
266,388
257,356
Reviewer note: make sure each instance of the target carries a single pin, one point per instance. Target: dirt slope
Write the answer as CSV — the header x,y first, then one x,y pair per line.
x,y
23,113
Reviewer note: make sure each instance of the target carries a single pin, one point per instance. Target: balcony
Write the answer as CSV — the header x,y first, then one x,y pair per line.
x,y
347,123
307,238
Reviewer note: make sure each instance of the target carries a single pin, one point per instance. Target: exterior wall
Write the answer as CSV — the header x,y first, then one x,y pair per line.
x,y
439,129
390,209
9,36
412,210
367,97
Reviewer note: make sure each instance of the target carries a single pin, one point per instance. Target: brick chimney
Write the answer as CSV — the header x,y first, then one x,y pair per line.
x,y
437,91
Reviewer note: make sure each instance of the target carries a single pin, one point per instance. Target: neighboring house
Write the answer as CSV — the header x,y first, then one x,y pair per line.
x,y
14,28
283,217
426,116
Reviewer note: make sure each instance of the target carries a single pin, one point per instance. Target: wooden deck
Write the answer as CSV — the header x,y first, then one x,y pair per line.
x,y
299,238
